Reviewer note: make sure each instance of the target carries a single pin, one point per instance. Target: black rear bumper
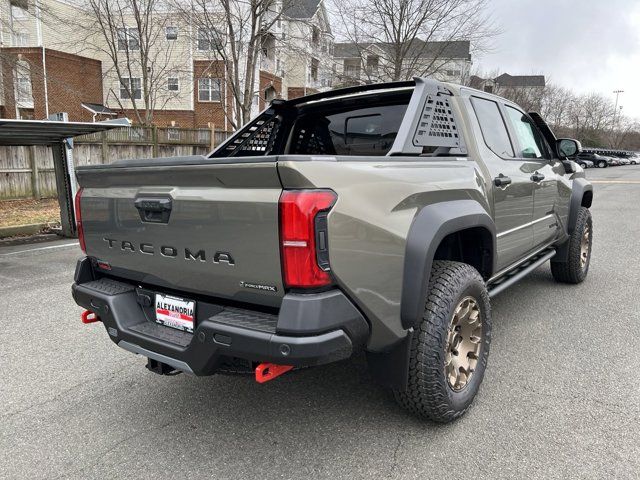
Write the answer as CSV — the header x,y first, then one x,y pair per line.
x,y
309,329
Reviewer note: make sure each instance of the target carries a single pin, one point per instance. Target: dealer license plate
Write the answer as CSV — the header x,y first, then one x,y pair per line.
x,y
175,312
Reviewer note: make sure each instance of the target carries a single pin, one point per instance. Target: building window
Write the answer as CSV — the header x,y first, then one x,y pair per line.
x,y
208,40
268,46
171,33
314,69
352,69
131,88
128,39
270,94
23,84
209,89
19,9
26,114
372,64
173,85
315,35
23,90
19,39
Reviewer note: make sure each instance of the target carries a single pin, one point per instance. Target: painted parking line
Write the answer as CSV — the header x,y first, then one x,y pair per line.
x,y
632,182
50,247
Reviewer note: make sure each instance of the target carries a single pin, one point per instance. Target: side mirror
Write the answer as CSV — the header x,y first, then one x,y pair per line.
x,y
568,147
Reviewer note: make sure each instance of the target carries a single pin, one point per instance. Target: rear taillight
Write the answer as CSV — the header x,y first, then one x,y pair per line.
x,y
79,228
303,233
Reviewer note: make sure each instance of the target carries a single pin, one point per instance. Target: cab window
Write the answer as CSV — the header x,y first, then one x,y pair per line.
x,y
348,131
531,141
494,130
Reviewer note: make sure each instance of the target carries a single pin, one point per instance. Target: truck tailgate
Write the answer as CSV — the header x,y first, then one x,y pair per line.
x,y
189,225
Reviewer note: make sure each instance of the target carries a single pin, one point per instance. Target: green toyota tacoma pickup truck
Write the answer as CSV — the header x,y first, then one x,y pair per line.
x,y
379,219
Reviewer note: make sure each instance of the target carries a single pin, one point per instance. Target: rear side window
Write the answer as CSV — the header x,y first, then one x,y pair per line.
x,y
531,141
354,131
493,127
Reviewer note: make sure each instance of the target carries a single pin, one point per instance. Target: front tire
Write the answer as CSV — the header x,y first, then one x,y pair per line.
x,y
602,164
575,269
450,346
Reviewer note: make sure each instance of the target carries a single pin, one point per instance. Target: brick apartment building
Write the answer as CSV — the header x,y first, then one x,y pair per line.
x,y
36,82
46,68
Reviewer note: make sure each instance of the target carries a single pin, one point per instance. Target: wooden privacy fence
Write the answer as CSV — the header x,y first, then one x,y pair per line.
x,y
27,172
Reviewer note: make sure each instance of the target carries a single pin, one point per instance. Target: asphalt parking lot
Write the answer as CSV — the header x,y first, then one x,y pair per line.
x,y
561,397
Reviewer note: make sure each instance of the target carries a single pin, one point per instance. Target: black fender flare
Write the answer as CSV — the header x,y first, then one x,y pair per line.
x,y
579,187
430,226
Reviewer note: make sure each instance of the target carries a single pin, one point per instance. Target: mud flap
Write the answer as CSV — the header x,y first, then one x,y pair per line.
x,y
391,368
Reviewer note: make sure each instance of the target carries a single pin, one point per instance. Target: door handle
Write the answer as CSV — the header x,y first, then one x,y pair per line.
x,y
153,210
537,177
501,181
153,204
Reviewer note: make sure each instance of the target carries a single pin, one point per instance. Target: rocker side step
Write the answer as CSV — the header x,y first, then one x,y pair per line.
x,y
520,272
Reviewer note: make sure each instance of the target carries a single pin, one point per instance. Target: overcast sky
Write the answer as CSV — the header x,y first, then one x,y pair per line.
x,y
585,45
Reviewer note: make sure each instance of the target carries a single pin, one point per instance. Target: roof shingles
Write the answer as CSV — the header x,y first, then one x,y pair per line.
x,y
452,49
300,8
506,80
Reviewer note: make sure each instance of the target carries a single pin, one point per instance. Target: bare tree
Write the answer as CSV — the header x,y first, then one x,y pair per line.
x,y
130,35
555,105
623,135
235,33
411,37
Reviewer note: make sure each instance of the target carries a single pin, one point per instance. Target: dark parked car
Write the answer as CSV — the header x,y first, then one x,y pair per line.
x,y
598,160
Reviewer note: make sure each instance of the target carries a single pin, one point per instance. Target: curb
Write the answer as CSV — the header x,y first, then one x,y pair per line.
x,y
16,230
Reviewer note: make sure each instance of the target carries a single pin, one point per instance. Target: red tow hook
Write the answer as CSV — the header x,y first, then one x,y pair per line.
x,y
269,371
89,317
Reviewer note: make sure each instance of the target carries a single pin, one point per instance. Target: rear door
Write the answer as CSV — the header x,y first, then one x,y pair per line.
x,y
197,225
544,172
511,184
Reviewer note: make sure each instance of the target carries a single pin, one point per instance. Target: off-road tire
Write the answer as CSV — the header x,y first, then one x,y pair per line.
x,y
429,394
573,270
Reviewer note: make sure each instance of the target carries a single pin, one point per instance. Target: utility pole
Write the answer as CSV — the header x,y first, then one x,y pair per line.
x,y
615,110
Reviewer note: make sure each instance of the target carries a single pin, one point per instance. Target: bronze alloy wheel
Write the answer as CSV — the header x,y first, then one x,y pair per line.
x,y
585,245
463,344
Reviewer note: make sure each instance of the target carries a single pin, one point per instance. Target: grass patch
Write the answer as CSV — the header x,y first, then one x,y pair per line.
x,y
24,212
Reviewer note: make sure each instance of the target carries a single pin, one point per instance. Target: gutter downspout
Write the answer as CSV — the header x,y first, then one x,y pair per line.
x,y
44,57
46,89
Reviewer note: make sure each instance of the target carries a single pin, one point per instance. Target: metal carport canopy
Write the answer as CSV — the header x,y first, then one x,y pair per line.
x,y
58,135
48,132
